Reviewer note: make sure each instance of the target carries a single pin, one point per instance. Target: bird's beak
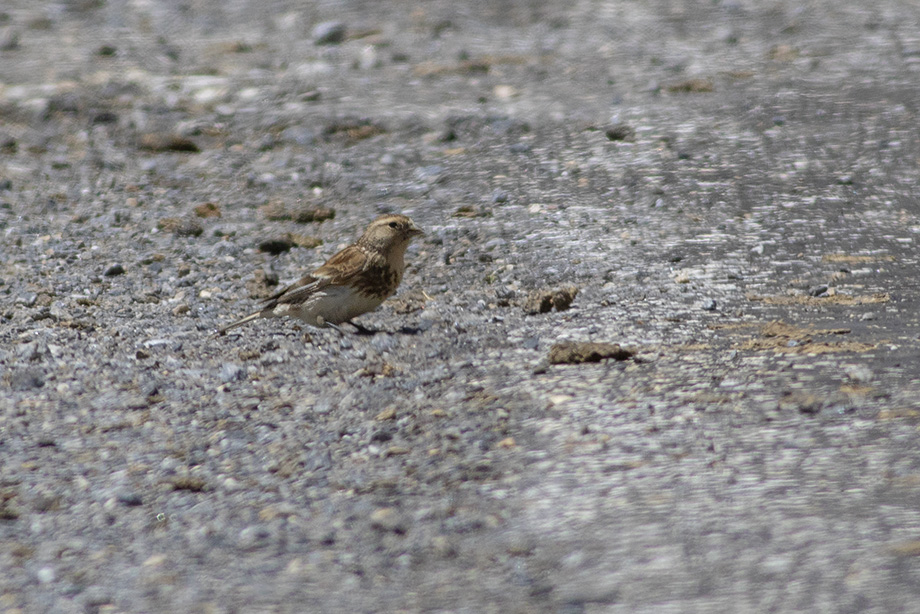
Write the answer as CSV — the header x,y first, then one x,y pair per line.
x,y
415,231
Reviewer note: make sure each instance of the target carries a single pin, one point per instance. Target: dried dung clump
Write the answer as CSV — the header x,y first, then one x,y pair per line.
x,y
576,352
543,301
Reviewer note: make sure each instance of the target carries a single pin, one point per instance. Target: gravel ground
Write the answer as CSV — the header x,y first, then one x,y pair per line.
x,y
730,186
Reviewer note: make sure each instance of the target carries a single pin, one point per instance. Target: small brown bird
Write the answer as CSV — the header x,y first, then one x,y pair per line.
x,y
354,281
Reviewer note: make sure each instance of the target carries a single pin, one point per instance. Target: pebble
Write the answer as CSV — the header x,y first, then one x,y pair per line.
x,y
129,498
620,132
329,33
46,575
255,536
115,269
388,519
818,290
299,135
710,305
499,197
230,372
27,379
27,299
9,39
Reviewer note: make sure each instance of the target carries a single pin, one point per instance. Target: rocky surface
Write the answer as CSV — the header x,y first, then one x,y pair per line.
x,y
731,187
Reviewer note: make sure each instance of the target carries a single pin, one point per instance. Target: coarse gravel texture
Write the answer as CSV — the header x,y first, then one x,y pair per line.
x,y
731,186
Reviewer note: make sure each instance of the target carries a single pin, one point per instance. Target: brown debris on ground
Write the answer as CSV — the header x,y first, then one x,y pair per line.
x,y
856,259
409,302
183,227
277,210
159,143
543,301
262,284
207,210
691,86
577,352
779,336
836,299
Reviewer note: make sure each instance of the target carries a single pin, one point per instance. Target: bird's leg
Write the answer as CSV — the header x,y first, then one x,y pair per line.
x,y
321,322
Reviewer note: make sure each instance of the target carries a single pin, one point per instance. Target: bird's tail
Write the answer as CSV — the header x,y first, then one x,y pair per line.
x,y
246,320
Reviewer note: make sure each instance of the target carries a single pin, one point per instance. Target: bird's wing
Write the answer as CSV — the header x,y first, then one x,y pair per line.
x,y
342,267
303,282
337,271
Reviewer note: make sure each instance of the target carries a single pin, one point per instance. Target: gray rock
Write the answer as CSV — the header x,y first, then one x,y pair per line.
x,y
231,372
328,33
26,379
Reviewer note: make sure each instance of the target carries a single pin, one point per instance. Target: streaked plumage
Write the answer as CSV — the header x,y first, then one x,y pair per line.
x,y
354,281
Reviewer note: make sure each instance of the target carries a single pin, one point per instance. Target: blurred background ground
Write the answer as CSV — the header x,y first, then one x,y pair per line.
x,y
730,186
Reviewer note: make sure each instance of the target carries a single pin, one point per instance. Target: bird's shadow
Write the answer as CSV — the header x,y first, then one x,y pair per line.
x,y
370,332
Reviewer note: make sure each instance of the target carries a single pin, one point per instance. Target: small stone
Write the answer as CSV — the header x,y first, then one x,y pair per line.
x,y
620,132
115,269
388,519
27,299
329,33
27,379
130,498
820,290
387,414
709,305
34,350
189,483
304,241
46,503
507,442
543,301
9,39
262,284
207,210
308,214
183,227
531,343
142,354
255,536
504,92
46,575
230,372
442,546
181,309
859,373
104,117
298,135
499,197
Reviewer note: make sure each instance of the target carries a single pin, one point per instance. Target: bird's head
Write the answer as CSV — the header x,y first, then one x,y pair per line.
x,y
390,232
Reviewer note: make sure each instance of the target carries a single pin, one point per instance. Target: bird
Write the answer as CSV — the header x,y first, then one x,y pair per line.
x,y
353,282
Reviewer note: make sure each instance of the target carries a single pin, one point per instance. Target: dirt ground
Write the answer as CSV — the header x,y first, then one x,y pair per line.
x,y
719,196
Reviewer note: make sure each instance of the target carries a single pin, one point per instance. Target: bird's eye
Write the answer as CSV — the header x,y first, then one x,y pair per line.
x,y
394,225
